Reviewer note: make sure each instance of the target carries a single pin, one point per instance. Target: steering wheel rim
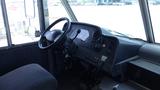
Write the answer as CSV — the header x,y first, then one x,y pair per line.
x,y
59,38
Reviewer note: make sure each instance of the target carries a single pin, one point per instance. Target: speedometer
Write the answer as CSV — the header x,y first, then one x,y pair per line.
x,y
83,35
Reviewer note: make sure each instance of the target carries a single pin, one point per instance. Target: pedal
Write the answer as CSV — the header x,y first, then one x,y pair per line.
x,y
115,87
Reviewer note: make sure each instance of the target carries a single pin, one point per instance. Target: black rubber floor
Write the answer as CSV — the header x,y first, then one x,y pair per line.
x,y
108,83
72,82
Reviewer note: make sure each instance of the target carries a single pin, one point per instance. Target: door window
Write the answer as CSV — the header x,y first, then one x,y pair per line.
x,y
23,20
3,39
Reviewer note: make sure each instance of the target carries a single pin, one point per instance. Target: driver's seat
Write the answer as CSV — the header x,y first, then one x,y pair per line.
x,y
28,77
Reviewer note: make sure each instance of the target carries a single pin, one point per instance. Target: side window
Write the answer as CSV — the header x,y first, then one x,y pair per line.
x,y
3,39
154,6
56,10
22,25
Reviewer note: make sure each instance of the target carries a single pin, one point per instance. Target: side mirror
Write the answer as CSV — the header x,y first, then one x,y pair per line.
x,y
29,8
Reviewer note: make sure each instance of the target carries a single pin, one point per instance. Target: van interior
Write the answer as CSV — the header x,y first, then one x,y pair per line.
x,y
83,53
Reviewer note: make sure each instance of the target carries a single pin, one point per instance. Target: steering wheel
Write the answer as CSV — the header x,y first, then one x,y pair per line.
x,y
53,37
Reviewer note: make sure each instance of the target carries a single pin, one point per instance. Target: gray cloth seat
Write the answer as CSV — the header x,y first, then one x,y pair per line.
x,y
28,77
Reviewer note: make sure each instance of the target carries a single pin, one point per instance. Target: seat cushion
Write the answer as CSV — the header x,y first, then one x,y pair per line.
x,y
28,77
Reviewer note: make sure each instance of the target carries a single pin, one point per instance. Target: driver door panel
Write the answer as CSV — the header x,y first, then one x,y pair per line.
x,y
17,56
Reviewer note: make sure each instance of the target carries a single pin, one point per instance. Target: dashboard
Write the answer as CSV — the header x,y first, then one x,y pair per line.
x,y
95,46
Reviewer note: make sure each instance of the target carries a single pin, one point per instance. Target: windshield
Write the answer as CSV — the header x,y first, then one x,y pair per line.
x,y
122,16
